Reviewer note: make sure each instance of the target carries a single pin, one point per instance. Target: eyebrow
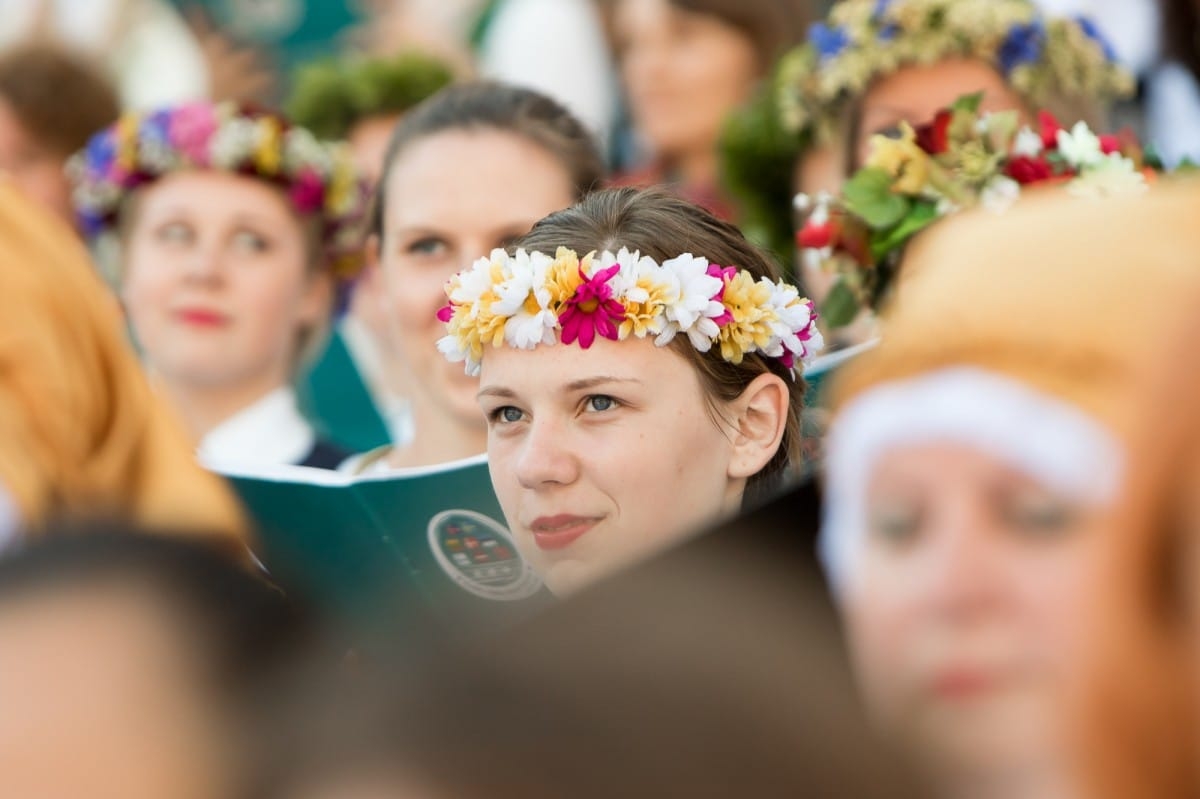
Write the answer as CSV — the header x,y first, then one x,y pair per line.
x,y
575,385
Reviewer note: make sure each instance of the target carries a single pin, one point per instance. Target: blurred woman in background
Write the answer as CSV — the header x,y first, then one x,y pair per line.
x,y
686,66
353,391
235,228
470,170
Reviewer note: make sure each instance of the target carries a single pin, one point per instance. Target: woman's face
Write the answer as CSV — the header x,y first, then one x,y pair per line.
x,y
217,280
684,73
962,618
101,701
601,456
453,197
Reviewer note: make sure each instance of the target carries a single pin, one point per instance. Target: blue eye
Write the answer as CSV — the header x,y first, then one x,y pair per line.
x,y
598,403
506,415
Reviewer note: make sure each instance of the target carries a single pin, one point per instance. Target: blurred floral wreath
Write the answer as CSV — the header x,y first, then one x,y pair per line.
x,y
962,159
1043,58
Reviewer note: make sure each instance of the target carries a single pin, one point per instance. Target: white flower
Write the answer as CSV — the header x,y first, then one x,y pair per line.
x,y
1112,175
526,328
1000,193
1080,147
232,143
690,290
1027,144
471,284
634,267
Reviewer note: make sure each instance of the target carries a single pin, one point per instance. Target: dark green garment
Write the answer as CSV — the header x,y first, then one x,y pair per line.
x,y
334,396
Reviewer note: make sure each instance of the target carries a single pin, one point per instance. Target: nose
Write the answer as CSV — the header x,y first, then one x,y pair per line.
x,y
546,458
963,576
203,264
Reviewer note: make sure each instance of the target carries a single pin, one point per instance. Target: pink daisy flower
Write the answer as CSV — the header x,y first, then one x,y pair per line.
x,y
592,310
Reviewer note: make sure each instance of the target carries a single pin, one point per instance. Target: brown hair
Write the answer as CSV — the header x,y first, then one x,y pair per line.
x,y
60,100
772,25
509,109
662,226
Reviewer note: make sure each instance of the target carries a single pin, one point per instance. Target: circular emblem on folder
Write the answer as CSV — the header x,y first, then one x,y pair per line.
x,y
478,554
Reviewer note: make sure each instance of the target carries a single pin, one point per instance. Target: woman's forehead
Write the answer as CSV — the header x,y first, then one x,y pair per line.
x,y
559,366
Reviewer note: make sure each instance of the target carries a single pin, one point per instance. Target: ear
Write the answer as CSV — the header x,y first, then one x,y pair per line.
x,y
759,419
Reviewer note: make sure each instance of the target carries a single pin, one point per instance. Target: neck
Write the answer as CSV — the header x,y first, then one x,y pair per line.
x,y
203,408
697,168
438,438
1040,781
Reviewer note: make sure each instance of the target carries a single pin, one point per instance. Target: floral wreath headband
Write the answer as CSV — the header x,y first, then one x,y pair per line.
x,y
530,299
319,177
1042,57
960,160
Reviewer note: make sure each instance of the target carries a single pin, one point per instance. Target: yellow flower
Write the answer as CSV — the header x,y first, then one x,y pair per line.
x,y
902,159
645,318
747,301
562,278
127,141
268,154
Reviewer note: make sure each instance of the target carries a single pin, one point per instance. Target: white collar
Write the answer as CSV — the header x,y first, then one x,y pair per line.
x,y
268,433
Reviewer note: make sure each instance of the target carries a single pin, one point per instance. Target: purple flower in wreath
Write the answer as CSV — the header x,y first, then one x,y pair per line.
x,y
1024,45
100,152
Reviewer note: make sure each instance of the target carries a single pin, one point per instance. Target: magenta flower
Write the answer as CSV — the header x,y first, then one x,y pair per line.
x,y
191,129
308,192
592,310
725,274
445,313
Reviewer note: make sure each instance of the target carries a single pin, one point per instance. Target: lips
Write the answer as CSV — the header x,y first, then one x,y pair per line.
x,y
965,684
553,533
202,317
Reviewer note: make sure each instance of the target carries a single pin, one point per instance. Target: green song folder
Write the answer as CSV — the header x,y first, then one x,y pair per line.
x,y
429,539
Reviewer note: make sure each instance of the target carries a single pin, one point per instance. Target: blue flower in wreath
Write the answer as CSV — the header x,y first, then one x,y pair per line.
x,y
830,42
1093,32
1024,45
881,9
100,152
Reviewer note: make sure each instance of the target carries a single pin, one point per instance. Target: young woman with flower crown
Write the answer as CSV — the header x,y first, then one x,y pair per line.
x,y
469,170
873,64
234,229
638,365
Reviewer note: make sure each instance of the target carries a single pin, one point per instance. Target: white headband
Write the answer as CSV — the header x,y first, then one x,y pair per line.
x,y
1046,438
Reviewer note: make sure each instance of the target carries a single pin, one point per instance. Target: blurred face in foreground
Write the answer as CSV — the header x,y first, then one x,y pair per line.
x,y
963,614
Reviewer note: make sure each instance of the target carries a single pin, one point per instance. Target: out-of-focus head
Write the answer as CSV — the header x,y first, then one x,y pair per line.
x,y
51,102
974,459
675,377
361,100
687,64
470,170
131,665
665,682
871,64
236,230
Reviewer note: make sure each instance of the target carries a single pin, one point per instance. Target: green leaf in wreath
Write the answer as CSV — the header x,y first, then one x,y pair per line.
x,y
923,214
840,306
969,103
869,195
